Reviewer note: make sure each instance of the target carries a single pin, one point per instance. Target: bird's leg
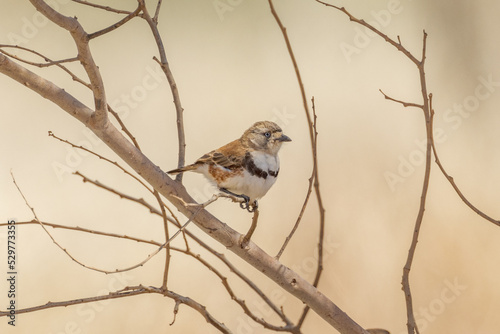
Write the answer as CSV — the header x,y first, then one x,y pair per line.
x,y
244,205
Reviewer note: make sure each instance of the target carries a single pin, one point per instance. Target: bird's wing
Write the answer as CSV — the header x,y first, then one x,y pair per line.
x,y
229,156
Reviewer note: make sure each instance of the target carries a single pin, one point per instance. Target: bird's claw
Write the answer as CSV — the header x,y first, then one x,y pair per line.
x,y
245,204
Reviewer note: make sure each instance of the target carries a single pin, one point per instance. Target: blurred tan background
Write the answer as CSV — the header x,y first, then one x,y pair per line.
x,y
232,69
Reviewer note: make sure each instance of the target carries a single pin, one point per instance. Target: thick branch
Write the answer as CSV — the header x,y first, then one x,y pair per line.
x,y
176,194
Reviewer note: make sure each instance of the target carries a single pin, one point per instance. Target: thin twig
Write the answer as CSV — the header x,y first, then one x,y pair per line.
x,y
49,305
220,256
149,257
127,292
311,122
173,219
304,206
124,128
86,230
48,61
153,25
450,178
80,37
51,134
141,201
157,11
160,202
288,325
321,209
246,238
106,8
116,25
405,104
397,45
411,322
64,249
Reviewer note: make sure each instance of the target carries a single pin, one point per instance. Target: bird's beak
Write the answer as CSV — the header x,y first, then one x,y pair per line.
x,y
284,138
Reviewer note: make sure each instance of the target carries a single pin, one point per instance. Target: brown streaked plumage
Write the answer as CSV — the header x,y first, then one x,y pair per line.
x,y
246,167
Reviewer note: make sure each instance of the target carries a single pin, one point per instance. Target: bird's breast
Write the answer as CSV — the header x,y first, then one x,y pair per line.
x,y
262,164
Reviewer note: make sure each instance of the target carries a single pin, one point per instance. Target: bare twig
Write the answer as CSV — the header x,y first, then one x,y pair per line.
x,y
313,134
289,327
153,210
64,249
49,305
86,230
397,45
405,104
321,209
311,122
220,256
51,134
153,24
149,257
246,238
106,8
80,37
450,178
176,310
411,323
167,238
252,285
157,11
116,25
306,200
48,61
127,292
124,128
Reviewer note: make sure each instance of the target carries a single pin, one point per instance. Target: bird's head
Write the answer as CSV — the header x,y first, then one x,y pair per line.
x,y
264,136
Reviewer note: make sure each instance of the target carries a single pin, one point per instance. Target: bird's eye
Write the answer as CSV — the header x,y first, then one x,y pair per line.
x,y
267,134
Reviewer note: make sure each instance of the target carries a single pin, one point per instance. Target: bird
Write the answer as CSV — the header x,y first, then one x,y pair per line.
x,y
246,167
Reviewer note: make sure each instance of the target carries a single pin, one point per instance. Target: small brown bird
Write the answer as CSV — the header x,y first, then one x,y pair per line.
x,y
246,167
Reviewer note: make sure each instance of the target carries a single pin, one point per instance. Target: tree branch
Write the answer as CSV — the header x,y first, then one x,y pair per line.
x,y
411,323
362,22
177,194
405,104
127,292
106,8
116,25
450,178
153,25
100,116
313,134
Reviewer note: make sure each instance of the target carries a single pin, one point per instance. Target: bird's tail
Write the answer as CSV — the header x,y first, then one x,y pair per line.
x,y
182,169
